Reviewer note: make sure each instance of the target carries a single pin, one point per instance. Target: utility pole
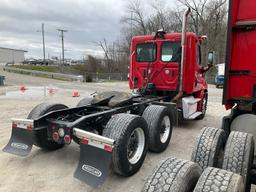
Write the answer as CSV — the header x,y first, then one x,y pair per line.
x,y
43,42
62,39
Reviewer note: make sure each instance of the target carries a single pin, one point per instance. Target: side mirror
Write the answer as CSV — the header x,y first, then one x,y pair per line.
x,y
211,58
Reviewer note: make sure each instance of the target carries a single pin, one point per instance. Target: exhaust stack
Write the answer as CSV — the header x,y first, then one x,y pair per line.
x,y
183,44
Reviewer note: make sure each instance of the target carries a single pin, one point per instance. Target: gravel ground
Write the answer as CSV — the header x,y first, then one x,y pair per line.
x,y
53,171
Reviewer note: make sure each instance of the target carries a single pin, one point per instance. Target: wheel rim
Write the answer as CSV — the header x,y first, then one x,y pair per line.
x,y
165,129
136,145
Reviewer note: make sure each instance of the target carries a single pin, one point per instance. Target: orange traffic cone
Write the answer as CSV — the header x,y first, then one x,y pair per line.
x,y
23,88
76,94
50,91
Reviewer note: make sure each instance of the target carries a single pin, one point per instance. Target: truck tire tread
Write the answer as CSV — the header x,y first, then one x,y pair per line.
x,y
208,147
154,115
218,180
173,175
117,129
238,155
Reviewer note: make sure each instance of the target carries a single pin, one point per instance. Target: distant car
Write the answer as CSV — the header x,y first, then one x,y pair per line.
x,y
219,81
219,78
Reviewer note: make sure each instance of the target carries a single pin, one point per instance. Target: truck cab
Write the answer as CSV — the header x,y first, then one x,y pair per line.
x,y
157,68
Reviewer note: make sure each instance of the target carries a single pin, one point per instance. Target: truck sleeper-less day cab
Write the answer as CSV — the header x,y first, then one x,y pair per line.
x,y
156,69
223,159
118,128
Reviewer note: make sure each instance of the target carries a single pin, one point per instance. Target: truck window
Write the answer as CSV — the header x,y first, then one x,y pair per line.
x,y
171,52
146,52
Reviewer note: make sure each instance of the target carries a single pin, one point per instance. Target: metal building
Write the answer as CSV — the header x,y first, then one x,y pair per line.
x,y
8,55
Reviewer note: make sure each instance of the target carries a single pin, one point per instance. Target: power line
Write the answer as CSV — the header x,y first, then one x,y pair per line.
x,y
62,40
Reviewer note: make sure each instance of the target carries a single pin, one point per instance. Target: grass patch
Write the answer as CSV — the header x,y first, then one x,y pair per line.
x,y
52,69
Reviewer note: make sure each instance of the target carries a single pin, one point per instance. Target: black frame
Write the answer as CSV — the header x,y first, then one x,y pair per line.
x,y
93,115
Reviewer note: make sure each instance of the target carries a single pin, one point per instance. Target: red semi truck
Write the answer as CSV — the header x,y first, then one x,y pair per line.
x,y
223,159
166,77
170,64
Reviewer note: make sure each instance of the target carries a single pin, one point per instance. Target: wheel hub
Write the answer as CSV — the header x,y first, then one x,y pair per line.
x,y
165,129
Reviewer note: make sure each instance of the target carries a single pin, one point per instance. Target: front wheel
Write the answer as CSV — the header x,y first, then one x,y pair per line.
x,y
130,133
203,106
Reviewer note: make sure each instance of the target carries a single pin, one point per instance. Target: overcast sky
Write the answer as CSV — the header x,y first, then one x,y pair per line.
x,y
87,21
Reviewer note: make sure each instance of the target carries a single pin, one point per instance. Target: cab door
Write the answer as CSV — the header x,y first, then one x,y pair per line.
x,y
166,76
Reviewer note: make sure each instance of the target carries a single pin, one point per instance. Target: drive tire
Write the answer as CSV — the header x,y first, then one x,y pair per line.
x,y
209,147
173,175
238,156
218,180
203,106
160,127
41,137
124,129
85,101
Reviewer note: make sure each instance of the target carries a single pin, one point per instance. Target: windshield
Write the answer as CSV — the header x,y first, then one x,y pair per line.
x,y
171,52
146,52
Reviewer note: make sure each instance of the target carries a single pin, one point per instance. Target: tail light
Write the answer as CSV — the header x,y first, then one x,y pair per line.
x,y
67,139
29,127
55,136
108,148
84,141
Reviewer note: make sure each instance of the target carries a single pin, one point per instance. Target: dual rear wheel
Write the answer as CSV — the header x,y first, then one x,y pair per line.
x,y
134,135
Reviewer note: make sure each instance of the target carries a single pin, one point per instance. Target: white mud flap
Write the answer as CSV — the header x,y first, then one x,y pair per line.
x,y
95,158
21,140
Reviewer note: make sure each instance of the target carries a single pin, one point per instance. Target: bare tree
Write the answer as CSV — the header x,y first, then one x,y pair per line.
x,y
209,17
135,16
104,46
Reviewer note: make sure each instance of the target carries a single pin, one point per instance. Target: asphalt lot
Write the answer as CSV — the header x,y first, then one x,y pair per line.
x,y
53,171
